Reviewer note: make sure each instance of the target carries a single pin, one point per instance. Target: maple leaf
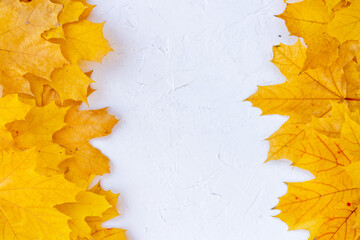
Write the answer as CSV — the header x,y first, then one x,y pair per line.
x,y
312,21
322,51
322,135
72,10
43,136
326,206
290,131
87,204
11,109
81,126
39,125
23,50
71,83
306,93
49,156
294,131
98,232
28,199
332,3
28,49
346,24
82,40
311,24
85,41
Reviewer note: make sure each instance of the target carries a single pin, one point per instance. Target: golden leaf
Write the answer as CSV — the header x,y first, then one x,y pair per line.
x,y
322,51
326,206
39,125
28,200
87,204
71,12
98,232
305,93
71,83
84,41
23,50
311,22
81,126
43,136
346,23
321,96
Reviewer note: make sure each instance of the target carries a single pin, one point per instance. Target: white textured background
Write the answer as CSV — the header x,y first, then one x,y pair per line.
x,y
187,156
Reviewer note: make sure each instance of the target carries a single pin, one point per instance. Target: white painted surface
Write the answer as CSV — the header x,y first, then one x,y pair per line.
x,y
188,154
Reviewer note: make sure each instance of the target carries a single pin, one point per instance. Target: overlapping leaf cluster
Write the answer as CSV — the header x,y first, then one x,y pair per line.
x,y
321,96
46,160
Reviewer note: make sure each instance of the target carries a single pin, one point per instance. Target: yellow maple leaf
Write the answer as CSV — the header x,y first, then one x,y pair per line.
x,y
84,41
11,109
291,131
23,50
28,199
322,51
305,93
39,125
84,161
331,126
71,83
42,142
312,21
332,3
98,232
71,12
87,204
296,131
81,126
80,40
49,156
319,153
346,24
321,95
326,206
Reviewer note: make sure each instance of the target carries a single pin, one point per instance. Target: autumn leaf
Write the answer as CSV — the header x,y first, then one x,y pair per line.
x,y
48,156
44,138
311,22
87,204
11,109
28,199
39,125
99,232
294,131
291,131
332,3
326,206
84,41
346,24
322,51
71,12
319,153
71,83
23,50
36,54
81,126
322,135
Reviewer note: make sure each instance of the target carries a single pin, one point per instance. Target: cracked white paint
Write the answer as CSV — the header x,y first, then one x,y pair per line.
x,y
188,154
